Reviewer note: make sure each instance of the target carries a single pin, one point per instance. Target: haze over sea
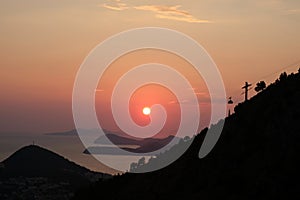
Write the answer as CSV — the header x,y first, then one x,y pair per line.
x,y
69,147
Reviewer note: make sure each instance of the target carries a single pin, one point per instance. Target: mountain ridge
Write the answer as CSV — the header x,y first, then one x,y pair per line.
x,y
256,156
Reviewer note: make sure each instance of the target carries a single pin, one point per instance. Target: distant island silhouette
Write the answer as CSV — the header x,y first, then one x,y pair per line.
x,y
145,145
126,142
256,156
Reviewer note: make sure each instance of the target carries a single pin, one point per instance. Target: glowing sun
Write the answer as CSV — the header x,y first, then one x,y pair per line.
x,y
146,111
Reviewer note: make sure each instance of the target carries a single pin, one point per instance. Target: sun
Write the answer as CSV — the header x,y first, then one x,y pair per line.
x,y
146,111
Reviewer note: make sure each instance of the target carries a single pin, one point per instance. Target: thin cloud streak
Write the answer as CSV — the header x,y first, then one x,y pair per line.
x,y
164,9
118,6
172,13
161,11
293,11
183,19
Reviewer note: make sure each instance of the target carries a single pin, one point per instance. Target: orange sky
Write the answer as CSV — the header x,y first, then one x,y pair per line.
x,y
43,43
150,94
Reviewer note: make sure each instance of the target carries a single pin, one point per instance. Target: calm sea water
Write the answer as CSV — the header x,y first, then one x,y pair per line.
x,y
69,147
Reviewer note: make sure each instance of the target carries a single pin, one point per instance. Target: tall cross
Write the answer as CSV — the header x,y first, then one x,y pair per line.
x,y
246,86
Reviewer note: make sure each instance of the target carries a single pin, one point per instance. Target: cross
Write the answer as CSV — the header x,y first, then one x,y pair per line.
x,y
246,86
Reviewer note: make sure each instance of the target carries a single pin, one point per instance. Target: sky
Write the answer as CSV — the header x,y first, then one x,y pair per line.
x,y
43,43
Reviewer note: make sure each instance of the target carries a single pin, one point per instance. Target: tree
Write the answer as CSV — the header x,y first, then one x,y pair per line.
x,y
133,166
283,76
260,86
141,161
186,138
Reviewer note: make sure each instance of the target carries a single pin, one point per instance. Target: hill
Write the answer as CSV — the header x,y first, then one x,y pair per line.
x,y
256,157
33,167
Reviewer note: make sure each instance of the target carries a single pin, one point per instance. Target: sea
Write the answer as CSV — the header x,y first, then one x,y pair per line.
x,y
69,147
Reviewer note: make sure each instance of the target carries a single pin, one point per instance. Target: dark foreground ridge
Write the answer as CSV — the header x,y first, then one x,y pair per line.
x,y
33,172
256,157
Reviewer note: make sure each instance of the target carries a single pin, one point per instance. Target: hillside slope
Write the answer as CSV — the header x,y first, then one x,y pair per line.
x,y
256,157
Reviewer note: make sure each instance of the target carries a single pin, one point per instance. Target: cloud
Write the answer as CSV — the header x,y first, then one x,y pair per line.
x,y
116,5
201,93
161,11
173,102
185,101
293,11
183,19
171,12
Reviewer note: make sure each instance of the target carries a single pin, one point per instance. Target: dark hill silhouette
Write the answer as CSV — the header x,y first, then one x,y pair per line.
x,y
35,164
36,161
256,157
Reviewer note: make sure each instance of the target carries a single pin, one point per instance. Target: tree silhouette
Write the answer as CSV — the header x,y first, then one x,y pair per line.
x,y
260,86
283,76
141,161
133,166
